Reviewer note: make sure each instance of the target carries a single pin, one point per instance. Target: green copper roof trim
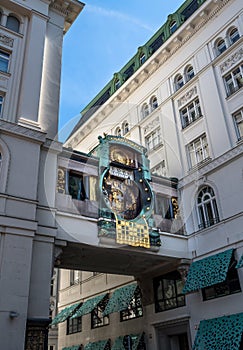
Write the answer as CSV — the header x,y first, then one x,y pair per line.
x,y
74,347
120,299
119,342
64,314
88,306
99,345
208,271
240,262
135,340
220,333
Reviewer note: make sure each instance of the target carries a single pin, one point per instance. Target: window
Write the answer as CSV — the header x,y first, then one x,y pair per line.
x,y
234,80
153,140
163,206
207,208
13,23
198,151
190,113
178,82
168,292
74,277
125,127
97,318
4,61
130,342
1,104
189,73
233,35
238,121
230,286
154,103
118,131
117,84
74,325
76,186
220,46
173,27
145,110
142,59
134,309
159,169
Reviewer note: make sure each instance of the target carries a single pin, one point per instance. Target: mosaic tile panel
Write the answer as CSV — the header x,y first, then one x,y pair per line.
x,y
118,344
88,306
120,299
74,347
222,333
207,272
99,345
240,263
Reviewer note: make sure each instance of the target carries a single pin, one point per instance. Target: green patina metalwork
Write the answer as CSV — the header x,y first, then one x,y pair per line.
x,y
118,344
99,345
88,306
240,263
207,272
74,347
120,299
222,333
64,314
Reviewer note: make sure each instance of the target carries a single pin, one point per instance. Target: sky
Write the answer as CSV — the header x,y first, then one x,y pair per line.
x,y
104,37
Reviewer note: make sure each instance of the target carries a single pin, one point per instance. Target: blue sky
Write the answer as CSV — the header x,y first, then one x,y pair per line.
x,y
100,42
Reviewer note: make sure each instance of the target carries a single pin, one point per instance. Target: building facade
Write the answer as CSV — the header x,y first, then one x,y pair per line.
x,y
31,35
180,96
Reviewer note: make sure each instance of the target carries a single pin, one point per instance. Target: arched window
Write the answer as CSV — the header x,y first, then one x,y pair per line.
x,y
118,131
178,82
233,35
145,110
189,73
220,46
173,27
207,208
125,128
142,58
13,23
153,103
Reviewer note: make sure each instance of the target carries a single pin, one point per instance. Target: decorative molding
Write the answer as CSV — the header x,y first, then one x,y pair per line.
x,y
60,9
6,40
151,125
12,128
188,95
235,57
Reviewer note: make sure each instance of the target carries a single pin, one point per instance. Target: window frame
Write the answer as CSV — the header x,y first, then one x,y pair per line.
x,y
200,151
190,112
233,80
173,26
235,37
220,46
207,209
1,103
15,26
134,309
153,140
178,82
239,132
162,302
189,72
97,318
74,325
154,103
145,110
5,58
142,58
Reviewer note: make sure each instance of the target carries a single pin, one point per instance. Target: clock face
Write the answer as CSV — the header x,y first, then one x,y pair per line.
x,y
122,195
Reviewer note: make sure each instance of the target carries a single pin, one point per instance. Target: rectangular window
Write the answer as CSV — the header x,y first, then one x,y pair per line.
x,y
230,286
76,186
74,325
190,113
1,104
153,140
163,206
159,169
134,309
198,151
97,318
234,80
74,277
4,61
168,292
238,121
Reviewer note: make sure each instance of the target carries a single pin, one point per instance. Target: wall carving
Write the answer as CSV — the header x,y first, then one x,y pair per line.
x,y
237,56
188,95
6,40
151,125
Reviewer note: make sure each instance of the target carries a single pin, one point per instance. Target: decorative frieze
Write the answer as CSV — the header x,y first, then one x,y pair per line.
x,y
188,95
235,57
150,126
6,40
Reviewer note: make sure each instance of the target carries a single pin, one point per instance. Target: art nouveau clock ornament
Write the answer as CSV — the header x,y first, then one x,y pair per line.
x,y
126,198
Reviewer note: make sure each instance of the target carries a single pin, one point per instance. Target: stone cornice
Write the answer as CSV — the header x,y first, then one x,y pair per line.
x,y
202,171
153,63
21,131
